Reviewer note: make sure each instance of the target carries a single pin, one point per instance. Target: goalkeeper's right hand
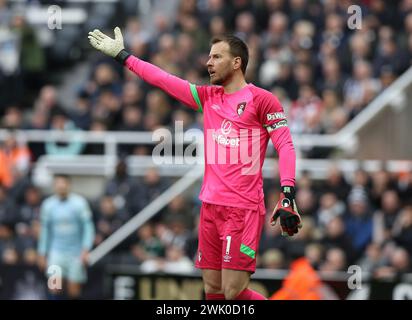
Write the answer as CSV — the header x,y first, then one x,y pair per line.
x,y
111,47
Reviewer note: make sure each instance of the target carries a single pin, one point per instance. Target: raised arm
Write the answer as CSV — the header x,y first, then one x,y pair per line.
x,y
178,88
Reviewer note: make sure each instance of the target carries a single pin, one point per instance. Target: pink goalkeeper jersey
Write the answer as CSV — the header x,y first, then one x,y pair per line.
x,y
237,128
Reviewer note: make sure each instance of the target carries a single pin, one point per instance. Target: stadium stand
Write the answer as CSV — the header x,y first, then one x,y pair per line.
x,y
355,195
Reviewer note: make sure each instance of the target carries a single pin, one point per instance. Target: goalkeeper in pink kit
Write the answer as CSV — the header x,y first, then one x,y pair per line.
x,y
239,119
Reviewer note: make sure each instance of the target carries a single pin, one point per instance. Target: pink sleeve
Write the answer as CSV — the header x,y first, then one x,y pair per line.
x,y
274,120
178,88
282,141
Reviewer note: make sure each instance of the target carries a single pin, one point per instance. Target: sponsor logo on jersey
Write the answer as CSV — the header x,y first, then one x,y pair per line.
x,y
277,125
275,116
226,126
225,141
221,136
241,108
226,258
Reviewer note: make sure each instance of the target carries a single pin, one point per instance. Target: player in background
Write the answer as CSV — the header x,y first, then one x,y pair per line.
x,y
239,119
66,237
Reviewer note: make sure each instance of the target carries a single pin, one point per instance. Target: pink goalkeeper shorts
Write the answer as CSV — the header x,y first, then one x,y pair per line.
x,y
229,237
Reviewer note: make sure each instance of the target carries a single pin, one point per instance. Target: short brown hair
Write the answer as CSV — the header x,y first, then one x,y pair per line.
x,y
237,48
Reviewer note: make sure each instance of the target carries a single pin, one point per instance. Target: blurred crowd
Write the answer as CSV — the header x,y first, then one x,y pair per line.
x,y
323,72
303,51
364,219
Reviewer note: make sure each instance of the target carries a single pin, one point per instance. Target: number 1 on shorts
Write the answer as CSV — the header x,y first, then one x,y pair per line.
x,y
228,239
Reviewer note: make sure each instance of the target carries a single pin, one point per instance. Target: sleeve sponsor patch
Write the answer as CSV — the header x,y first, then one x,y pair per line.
x,y
277,125
275,116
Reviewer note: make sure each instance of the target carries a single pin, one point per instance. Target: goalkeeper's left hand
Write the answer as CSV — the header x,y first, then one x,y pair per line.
x,y
287,211
105,44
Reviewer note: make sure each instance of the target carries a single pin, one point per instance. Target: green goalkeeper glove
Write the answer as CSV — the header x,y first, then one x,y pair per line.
x,y
111,47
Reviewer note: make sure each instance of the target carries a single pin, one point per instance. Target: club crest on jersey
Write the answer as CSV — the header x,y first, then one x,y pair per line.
x,y
241,108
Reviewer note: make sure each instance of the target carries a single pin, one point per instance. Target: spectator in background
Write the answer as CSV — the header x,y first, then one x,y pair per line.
x,y
388,54
6,174
333,32
29,210
108,218
183,118
404,187
381,181
360,89
28,216
134,30
18,154
46,103
185,51
13,118
333,117
335,183
386,76
335,261
402,229
362,179
148,245
314,254
217,26
273,259
295,247
108,108
330,208
384,219
399,263
32,56
8,217
157,103
180,233
153,185
10,73
244,25
81,114
275,70
119,187
335,237
132,93
332,77
104,77
305,112
175,261
371,259
271,239
178,210
71,147
132,119
277,31
306,201
358,221
66,236
193,241
360,47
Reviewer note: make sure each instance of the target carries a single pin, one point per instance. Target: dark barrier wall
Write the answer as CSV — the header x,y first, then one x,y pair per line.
x,y
115,282
129,283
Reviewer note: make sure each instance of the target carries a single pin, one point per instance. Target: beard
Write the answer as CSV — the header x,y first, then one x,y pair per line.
x,y
220,79
215,80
